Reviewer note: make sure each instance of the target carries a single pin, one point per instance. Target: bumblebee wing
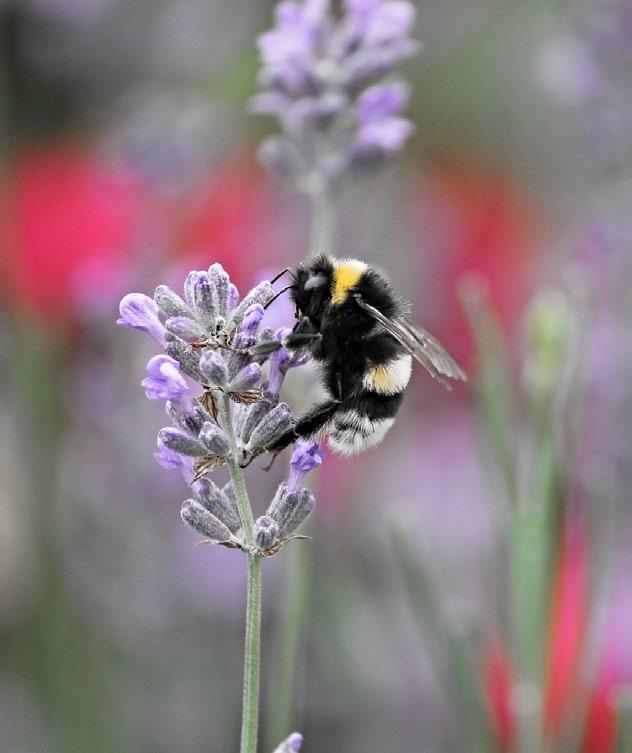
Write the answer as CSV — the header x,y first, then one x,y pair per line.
x,y
420,344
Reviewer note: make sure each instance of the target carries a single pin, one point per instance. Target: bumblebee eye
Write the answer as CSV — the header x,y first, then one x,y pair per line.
x,y
297,313
314,281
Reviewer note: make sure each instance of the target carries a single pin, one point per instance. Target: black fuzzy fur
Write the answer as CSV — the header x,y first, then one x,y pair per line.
x,y
351,343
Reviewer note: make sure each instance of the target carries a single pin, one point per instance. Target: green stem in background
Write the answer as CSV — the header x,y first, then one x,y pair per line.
x,y
252,647
495,380
624,720
322,226
321,240
450,642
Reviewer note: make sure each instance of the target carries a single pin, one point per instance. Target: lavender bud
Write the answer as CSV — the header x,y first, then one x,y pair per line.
x,y
306,503
218,502
290,509
190,418
262,293
271,427
266,532
186,356
170,303
255,414
138,311
213,368
214,439
381,138
252,319
238,360
382,101
168,459
205,300
246,379
179,441
164,380
189,288
204,522
291,745
183,327
233,298
221,282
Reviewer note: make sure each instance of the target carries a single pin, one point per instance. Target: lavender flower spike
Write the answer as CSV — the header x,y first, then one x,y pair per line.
x,y
139,312
291,745
324,79
305,457
165,382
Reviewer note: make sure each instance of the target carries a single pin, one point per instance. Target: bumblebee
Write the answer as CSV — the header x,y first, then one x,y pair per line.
x,y
356,326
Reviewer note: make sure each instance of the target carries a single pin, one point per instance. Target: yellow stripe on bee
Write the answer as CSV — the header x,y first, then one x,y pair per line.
x,y
389,378
347,274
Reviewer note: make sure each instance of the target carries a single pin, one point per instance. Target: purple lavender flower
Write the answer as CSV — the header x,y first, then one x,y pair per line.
x,y
139,312
169,459
323,77
281,361
226,360
165,382
306,456
246,378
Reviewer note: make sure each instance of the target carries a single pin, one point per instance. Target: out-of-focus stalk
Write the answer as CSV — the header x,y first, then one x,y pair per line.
x,y
322,224
450,640
624,720
495,380
535,528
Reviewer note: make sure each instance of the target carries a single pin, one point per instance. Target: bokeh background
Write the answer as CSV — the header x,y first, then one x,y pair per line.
x,y
128,158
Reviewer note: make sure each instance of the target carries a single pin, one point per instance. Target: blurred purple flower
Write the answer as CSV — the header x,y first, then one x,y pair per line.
x,y
168,459
165,382
292,744
306,456
382,101
382,137
322,78
140,312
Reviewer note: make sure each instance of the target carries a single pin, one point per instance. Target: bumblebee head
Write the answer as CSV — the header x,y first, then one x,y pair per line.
x,y
312,289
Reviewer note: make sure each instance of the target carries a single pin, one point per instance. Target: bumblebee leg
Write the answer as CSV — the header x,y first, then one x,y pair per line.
x,y
311,423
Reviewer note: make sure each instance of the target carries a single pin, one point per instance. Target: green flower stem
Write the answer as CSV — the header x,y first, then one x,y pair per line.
x,y
292,617
236,473
450,642
624,720
252,648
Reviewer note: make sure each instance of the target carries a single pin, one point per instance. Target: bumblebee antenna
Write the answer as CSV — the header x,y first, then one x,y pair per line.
x,y
273,299
285,271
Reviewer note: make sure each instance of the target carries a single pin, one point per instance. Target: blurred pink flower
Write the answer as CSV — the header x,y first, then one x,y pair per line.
x,y
70,217
474,220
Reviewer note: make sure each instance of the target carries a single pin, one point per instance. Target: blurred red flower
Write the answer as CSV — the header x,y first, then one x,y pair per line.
x,y
563,686
474,220
66,208
79,230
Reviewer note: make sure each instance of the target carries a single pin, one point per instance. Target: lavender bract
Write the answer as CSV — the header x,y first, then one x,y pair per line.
x,y
217,352
327,79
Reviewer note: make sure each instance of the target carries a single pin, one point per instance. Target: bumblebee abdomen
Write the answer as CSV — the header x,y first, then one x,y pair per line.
x,y
389,378
362,422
